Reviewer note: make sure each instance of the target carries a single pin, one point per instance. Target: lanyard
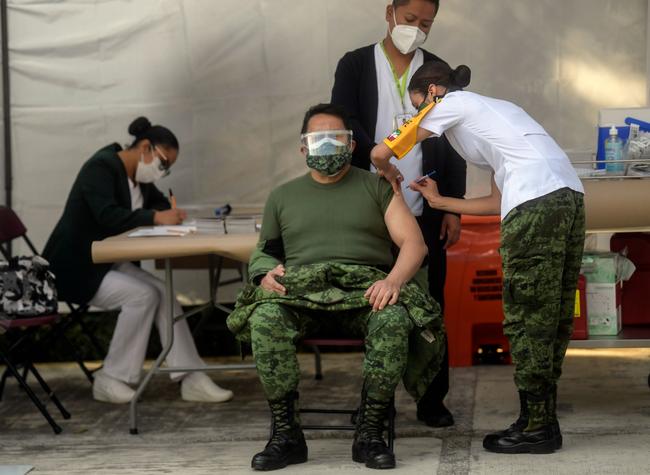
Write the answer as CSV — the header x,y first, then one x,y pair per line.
x,y
400,83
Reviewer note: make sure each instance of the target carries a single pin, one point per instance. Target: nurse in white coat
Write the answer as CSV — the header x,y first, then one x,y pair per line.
x,y
540,199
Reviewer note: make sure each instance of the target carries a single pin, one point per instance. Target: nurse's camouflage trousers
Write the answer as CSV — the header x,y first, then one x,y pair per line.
x,y
541,248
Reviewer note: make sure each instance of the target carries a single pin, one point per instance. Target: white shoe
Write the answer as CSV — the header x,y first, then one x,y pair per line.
x,y
198,387
108,389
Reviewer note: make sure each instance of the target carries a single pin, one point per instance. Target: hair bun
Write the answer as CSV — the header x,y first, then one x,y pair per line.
x,y
461,76
139,126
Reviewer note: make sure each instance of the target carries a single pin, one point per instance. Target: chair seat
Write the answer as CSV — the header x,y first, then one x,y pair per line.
x,y
333,342
36,321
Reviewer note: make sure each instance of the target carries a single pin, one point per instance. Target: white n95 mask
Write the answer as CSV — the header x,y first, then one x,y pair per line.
x,y
150,172
407,38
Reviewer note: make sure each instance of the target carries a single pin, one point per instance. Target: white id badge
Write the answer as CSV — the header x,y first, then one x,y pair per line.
x,y
400,119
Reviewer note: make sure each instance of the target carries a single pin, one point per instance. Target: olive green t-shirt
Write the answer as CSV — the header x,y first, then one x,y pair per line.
x,y
306,222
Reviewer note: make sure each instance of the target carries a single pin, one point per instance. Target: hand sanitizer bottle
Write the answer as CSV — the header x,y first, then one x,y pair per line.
x,y
614,153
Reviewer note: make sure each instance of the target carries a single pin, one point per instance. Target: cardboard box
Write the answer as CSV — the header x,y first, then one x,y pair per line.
x,y
600,268
604,316
605,273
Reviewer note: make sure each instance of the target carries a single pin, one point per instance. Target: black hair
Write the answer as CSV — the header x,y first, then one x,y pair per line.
x,y
440,73
142,129
329,109
399,3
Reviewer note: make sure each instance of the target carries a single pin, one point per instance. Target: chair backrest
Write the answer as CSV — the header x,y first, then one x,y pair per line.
x,y
11,227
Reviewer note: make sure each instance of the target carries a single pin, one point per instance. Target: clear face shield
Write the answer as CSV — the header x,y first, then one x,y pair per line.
x,y
327,142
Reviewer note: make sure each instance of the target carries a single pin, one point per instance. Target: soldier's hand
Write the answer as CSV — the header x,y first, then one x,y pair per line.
x,y
270,284
383,292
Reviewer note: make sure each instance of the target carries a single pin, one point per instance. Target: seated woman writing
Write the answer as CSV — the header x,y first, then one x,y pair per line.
x,y
115,192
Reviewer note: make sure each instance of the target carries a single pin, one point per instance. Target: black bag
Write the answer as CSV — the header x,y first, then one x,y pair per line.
x,y
27,287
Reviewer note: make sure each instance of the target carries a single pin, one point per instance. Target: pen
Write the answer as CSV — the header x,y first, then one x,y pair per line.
x,y
172,199
428,175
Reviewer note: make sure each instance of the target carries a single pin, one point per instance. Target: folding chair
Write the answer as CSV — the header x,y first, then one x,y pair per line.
x,y
19,355
315,344
11,227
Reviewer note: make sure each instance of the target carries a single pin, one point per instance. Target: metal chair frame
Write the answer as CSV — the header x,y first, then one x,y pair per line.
x,y
25,343
315,344
77,312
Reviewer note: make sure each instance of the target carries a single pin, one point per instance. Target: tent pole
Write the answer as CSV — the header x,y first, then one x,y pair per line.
x,y
6,103
6,107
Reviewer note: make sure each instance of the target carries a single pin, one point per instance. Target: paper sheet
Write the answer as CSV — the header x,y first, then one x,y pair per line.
x,y
157,231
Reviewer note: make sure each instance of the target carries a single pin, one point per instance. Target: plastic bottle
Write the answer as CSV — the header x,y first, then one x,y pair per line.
x,y
635,130
614,153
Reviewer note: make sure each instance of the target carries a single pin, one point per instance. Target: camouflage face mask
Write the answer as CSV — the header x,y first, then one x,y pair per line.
x,y
329,165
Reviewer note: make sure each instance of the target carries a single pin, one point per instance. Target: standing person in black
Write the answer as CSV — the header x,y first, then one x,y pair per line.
x,y
370,83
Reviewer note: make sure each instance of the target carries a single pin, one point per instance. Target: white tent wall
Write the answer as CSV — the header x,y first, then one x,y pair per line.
x,y
233,78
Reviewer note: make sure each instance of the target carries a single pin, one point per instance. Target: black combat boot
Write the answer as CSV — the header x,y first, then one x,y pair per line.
x,y
537,437
369,446
287,444
432,411
517,426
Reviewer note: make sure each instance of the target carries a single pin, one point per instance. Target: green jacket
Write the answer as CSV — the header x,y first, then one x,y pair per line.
x,y
335,287
98,206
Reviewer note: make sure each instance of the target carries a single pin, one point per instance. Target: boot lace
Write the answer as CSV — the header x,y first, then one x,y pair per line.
x,y
372,419
282,420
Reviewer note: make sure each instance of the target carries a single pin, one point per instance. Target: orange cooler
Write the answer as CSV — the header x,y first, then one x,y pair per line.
x,y
473,305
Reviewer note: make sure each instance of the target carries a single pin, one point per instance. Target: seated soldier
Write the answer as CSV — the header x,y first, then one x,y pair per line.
x,y
325,259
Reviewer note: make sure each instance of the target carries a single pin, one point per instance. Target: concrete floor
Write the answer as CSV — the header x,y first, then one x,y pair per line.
x,y
604,411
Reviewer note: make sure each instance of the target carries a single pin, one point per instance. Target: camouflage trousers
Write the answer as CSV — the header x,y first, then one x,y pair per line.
x,y
541,248
275,329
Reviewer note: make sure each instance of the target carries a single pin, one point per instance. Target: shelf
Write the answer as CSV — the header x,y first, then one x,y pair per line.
x,y
630,337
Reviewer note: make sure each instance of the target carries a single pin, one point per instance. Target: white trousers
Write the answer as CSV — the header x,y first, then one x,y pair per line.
x,y
141,298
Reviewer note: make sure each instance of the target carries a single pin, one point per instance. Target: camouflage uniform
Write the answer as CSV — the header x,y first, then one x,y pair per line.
x,y
405,340
541,247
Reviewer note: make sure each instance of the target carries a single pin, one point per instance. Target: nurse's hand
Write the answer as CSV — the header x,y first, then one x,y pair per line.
x,y
394,177
269,283
429,190
450,228
169,217
383,292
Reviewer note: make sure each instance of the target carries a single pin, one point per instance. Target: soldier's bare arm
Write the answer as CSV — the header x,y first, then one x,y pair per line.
x,y
405,233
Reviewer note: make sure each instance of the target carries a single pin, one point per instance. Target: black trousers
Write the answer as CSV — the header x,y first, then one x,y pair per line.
x,y
430,223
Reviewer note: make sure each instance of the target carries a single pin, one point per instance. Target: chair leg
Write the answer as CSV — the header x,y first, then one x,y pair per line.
x,y
37,402
79,359
48,391
3,380
317,363
91,336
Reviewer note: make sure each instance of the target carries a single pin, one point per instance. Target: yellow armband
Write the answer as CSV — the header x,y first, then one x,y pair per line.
x,y
402,140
